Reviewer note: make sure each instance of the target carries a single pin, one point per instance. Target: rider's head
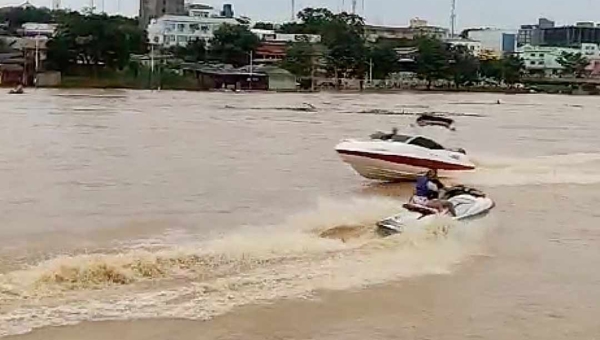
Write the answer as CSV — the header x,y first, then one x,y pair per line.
x,y
395,130
432,173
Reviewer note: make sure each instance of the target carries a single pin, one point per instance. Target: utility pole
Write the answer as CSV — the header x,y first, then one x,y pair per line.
x,y
151,65
251,70
354,6
293,17
453,19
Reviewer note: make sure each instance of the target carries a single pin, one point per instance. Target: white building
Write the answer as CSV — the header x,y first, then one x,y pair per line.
x,y
31,29
544,59
471,45
174,30
272,36
495,42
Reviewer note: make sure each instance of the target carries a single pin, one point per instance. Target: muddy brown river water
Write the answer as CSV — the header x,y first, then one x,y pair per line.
x,y
177,215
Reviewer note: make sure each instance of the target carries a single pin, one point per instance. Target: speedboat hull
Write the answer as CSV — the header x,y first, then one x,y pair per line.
x,y
391,161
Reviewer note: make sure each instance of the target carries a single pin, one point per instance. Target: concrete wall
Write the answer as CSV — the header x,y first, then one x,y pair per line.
x,y
281,82
48,79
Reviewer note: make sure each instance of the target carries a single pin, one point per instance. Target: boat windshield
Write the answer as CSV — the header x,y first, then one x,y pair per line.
x,y
426,143
391,137
400,138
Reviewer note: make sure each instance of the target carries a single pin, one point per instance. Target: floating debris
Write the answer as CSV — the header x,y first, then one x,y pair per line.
x,y
308,108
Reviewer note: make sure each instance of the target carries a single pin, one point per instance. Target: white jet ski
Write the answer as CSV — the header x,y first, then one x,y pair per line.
x,y
469,203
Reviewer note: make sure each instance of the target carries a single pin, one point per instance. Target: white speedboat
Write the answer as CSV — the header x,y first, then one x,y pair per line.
x,y
468,203
393,157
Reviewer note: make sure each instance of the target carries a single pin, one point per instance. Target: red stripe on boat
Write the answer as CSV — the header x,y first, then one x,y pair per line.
x,y
418,162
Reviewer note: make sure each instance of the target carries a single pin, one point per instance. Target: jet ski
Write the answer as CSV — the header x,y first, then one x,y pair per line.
x,y
393,157
469,203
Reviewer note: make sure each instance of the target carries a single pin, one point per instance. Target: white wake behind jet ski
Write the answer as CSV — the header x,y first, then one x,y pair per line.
x,y
469,203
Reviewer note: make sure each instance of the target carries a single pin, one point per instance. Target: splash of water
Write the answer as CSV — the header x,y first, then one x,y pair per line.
x,y
202,280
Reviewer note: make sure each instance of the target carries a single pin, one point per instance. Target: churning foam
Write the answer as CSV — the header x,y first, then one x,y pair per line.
x,y
576,168
199,281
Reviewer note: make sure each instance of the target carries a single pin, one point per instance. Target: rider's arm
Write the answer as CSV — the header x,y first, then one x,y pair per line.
x,y
432,186
438,183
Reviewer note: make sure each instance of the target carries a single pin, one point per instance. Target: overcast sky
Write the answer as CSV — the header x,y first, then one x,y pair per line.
x,y
470,13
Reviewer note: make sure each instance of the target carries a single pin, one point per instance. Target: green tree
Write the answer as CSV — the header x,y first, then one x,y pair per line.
x,y
384,59
264,26
491,69
194,51
293,28
432,60
573,63
300,58
464,66
17,16
94,40
315,20
232,44
513,68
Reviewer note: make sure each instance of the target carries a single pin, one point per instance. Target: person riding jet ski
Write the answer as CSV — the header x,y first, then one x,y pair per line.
x,y
427,193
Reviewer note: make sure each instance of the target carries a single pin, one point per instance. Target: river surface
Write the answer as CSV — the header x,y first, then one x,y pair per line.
x,y
165,215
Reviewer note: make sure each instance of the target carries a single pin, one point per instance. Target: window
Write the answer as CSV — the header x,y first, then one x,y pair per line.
x,y
426,143
181,39
542,55
180,27
194,27
204,28
532,62
532,55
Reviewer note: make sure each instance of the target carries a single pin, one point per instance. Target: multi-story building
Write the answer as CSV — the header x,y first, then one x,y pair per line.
x,y
544,59
531,34
153,9
472,45
200,23
418,27
175,30
569,36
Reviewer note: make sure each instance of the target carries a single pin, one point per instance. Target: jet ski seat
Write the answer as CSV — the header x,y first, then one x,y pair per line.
x,y
419,209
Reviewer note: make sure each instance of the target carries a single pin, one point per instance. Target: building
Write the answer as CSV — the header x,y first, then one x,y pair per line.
x,y
11,68
200,23
153,9
544,59
273,47
174,30
417,28
531,34
569,36
199,10
495,43
272,36
34,29
472,45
